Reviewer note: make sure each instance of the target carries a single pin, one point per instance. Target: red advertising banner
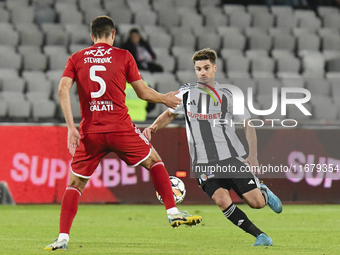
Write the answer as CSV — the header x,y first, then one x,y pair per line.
x,y
35,163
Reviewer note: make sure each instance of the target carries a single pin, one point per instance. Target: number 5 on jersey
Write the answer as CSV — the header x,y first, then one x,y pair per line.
x,y
98,79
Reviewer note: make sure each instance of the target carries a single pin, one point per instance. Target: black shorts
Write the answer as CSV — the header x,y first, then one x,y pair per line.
x,y
243,184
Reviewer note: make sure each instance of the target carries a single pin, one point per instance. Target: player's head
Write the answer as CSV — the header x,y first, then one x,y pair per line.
x,y
204,61
103,27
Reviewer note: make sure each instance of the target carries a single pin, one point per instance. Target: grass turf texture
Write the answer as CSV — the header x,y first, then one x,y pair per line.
x,y
143,229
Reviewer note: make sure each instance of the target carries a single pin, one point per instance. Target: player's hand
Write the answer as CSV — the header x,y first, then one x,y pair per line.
x,y
148,131
73,138
171,100
253,164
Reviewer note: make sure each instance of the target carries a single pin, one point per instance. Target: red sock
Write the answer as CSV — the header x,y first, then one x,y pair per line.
x,y
69,208
161,181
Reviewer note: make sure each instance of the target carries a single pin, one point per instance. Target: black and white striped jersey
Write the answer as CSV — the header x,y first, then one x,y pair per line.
x,y
210,124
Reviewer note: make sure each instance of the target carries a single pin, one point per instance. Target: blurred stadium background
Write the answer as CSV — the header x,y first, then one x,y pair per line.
x,y
259,46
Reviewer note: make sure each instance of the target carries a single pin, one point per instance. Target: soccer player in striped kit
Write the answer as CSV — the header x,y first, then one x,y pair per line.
x,y
212,139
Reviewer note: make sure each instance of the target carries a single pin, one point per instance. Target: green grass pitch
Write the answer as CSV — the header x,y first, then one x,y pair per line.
x,y
143,229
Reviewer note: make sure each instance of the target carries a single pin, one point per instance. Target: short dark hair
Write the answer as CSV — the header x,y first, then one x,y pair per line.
x,y
102,26
205,54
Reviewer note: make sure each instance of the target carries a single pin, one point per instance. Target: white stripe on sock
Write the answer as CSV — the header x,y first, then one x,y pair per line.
x,y
230,211
73,188
157,163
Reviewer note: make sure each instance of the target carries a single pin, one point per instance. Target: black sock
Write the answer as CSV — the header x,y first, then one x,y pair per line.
x,y
240,219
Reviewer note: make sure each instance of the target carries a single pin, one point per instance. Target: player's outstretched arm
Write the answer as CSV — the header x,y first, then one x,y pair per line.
x,y
65,103
146,93
161,122
252,144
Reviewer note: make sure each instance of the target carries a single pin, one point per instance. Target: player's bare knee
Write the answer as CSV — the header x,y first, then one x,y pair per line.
x,y
153,158
78,182
257,203
222,200
221,203
254,199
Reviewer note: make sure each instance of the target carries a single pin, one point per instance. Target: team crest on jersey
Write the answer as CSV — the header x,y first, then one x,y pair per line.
x,y
204,177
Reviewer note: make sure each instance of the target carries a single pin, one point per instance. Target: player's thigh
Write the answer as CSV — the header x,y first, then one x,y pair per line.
x,y
243,181
244,184
211,185
218,191
91,150
253,197
132,147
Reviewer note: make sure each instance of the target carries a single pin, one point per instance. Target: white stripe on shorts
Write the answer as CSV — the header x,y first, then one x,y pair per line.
x,y
142,159
79,175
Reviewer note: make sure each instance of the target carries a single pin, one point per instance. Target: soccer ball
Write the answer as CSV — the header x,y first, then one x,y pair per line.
x,y
178,189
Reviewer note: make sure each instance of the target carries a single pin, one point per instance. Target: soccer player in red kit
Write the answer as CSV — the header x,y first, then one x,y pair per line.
x,y
101,72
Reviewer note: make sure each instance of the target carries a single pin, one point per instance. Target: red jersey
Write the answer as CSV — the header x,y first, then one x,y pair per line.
x,y
101,72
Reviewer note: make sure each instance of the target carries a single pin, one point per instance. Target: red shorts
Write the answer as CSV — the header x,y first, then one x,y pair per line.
x,y
132,147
